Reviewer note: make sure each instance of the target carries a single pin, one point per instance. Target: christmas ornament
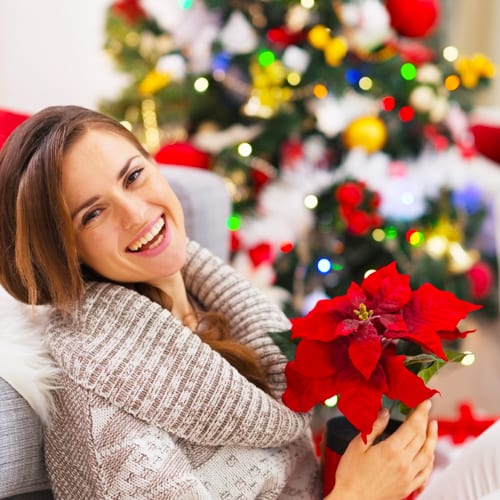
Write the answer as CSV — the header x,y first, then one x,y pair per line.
x,y
367,132
182,153
413,18
130,10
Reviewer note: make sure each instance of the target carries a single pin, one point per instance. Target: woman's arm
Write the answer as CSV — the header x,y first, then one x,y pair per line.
x,y
139,357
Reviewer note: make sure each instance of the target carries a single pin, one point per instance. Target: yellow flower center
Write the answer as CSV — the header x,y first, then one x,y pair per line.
x,y
363,313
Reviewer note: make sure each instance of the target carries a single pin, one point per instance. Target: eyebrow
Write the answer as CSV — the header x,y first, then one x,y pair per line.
x,y
93,199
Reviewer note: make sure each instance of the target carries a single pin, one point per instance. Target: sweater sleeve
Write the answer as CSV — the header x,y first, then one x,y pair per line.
x,y
139,357
250,313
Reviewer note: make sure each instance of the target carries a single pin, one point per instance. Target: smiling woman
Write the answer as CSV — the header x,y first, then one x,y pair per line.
x,y
170,385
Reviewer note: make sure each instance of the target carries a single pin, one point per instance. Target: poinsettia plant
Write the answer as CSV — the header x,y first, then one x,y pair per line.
x,y
381,341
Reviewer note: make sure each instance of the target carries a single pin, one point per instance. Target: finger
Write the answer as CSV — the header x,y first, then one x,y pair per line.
x,y
411,434
378,426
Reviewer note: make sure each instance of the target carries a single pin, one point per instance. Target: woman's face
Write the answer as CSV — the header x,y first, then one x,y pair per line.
x,y
128,223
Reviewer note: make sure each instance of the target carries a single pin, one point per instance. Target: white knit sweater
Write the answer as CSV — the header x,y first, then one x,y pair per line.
x,y
148,411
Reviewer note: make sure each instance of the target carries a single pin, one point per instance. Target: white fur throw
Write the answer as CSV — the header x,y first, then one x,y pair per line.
x,y
24,360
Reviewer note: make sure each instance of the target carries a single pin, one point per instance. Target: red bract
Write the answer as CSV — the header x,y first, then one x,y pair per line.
x,y
348,345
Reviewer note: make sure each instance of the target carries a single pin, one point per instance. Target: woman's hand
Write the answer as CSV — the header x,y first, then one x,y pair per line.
x,y
392,468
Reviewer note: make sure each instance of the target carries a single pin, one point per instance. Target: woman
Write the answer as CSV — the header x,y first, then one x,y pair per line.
x,y
170,385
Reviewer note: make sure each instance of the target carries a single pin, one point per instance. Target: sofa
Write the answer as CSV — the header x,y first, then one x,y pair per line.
x,y
207,205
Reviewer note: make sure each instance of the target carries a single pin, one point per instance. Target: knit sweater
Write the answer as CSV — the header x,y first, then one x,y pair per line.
x,y
146,410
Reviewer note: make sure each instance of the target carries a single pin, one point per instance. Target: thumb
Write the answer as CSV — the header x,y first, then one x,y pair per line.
x,y
378,427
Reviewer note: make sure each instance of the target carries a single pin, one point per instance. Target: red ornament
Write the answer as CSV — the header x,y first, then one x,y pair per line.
x,y
261,254
284,37
129,10
8,122
413,18
487,138
481,280
183,154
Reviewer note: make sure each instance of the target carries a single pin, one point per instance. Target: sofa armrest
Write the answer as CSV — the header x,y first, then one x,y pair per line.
x,y
206,203
21,464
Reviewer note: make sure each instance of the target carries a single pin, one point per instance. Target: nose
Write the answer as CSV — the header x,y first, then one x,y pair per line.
x,y
131,210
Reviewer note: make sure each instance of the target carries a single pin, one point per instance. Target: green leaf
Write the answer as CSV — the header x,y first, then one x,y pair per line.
x,y
284,341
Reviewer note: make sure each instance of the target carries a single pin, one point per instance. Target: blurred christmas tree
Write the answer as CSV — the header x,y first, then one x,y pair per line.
x,y
341,128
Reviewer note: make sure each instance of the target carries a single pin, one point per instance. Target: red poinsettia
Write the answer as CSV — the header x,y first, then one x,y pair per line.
x,y
352,346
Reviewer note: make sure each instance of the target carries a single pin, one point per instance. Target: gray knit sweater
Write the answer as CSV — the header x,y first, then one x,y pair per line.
x,y
148,411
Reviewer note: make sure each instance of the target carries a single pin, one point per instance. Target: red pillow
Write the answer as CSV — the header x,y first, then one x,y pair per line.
x,y
8,122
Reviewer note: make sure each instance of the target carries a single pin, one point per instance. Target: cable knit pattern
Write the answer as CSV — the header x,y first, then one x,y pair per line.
x,y
148,411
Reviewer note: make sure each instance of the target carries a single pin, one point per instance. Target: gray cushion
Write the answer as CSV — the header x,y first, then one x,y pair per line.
x,y
21,448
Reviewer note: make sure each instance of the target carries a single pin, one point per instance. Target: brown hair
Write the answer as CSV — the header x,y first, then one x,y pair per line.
x,y
39,262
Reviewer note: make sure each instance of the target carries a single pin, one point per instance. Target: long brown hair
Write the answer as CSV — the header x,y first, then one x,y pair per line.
x,y
38,257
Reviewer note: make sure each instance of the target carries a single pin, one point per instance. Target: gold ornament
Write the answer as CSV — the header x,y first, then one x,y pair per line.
x,y
367,132
153,82
335,51
319,36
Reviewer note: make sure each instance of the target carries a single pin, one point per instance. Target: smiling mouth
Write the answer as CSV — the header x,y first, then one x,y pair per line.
x,y
151,239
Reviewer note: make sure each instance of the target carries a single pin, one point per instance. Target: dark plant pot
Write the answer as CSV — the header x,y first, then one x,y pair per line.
x,y
339,433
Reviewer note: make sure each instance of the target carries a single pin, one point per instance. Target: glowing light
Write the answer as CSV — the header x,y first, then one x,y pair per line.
x,y
388,103
408,71
365,83
378,234
245,149
452,82
368,272
265,58
391,232
307,4
436,246
201,84
406,113
352,76
293,79
127,124
233,222
286,246
320,91
331,402
414,238
324,265
450,53
311,201
337,267
468,359
185,4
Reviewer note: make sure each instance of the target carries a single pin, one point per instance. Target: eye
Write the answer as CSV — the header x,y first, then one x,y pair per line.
x,y
134,175
90,216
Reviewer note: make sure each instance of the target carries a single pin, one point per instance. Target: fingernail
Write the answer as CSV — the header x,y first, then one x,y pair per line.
x,y
383,413
434,424
428,404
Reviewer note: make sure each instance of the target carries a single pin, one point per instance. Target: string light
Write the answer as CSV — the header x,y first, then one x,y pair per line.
x,y
452,82
388,103
408,71
406,113
468,359
245,149
324,265
320,91
265,58
365,83
311,201
233,222
378,234
450,53
331,402
391,232
201,84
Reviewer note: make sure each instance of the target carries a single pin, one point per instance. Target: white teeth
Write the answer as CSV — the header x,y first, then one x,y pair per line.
x,y
152,233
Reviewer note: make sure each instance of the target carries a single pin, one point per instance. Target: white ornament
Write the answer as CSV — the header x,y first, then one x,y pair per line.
x,y
422,98
296,59
238,36
174,65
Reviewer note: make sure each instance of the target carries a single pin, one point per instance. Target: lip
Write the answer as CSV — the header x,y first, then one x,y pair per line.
x,y
163,244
